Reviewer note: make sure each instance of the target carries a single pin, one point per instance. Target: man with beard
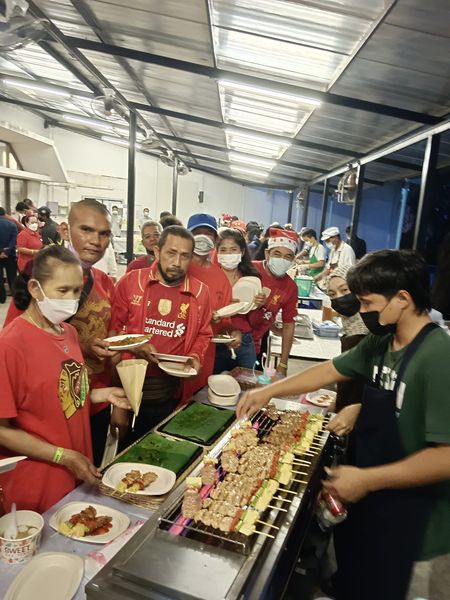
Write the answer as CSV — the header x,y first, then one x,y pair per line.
x,y
151,232
172,307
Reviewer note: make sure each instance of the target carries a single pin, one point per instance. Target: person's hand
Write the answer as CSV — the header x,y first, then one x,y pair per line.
x,y
193,363
349,484
147,351
251,402
120,419
345,420
215,318
98,348
281,371
3,255
114,395
237,335
259,299
80,466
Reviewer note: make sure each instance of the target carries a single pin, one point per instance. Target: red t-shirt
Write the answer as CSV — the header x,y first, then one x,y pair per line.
x,y
27,239
142,262
177,317
283,295
44,391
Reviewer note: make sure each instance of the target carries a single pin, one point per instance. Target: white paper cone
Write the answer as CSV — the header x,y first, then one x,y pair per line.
x,y
132,375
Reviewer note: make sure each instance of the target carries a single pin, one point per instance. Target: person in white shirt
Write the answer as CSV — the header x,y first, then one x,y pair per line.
x,y
341,253
316,253
108,263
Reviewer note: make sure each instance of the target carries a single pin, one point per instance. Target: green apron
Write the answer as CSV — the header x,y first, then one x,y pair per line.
x,y
313,272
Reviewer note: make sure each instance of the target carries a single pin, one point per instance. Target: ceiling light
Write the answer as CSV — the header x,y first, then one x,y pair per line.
x,y
118,141
239,133
251,160
35,87
258,91
87,121
253,172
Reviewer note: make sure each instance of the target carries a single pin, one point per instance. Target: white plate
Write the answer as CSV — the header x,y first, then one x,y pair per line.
x,y
49,576
8,464
164,483
315,398
176,369
232,309
120,521
245,291
117,338
171,357
222,340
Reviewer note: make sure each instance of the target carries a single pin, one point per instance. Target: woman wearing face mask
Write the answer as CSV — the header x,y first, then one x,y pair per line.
x,y
28,241
234,259
347,306
45,401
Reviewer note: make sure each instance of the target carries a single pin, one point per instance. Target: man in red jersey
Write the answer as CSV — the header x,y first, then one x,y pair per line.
x,y
151,232
174,308
280,254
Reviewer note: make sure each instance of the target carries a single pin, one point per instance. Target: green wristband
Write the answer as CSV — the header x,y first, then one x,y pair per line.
x,y
58,455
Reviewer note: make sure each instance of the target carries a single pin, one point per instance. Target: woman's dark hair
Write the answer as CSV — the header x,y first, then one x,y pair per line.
x,y
21,206
386,272
309,233
170,220
245,266
40,268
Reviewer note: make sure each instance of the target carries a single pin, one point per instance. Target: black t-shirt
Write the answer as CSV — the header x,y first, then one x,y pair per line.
x,y
49,233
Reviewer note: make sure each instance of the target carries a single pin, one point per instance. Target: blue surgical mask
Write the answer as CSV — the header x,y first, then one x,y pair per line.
x,y
279,266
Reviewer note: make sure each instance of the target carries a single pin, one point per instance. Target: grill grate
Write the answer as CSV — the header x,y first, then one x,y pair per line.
x,y
175,524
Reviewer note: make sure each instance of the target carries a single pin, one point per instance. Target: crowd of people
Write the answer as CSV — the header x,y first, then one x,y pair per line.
x,y
59,376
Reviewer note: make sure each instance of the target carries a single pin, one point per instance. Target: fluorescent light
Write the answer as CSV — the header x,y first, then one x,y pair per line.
x,y
118,141
250,160
253,172
87,121
35,87
238,133
258,91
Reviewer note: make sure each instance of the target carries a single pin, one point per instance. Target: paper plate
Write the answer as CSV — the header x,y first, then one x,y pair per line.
x,y
232,309
245,291
222,340
120,521
176,369
321,398
164,483
171,357
118,338
7,464
49,576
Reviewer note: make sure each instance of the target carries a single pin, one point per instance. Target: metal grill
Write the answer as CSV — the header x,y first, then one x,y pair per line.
x,y
175,524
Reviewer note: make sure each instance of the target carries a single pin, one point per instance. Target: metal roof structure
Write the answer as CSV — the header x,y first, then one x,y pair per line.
x,y
265,92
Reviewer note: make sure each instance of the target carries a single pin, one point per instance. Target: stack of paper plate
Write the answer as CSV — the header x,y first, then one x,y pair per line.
x,y
245,290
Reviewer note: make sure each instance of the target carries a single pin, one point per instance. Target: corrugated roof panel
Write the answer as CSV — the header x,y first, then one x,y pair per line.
x,y
421,16
324,160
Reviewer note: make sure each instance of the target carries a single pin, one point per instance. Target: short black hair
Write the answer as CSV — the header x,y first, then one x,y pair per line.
x,y
386,272
21,206
178,231
165,213
2,211
309,233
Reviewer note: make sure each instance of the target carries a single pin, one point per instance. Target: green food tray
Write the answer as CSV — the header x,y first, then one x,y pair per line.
x,y
155,449
199,423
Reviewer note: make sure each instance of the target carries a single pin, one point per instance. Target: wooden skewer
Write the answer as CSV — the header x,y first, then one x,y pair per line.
x,y
277,508
300,473
280,499
299,461
267,524
300,481
287,491
266,534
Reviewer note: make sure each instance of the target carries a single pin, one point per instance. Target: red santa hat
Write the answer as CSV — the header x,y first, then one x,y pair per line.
x,y
284,238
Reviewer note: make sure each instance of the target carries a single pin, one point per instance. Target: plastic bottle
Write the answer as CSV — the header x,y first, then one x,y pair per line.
x,y
327,311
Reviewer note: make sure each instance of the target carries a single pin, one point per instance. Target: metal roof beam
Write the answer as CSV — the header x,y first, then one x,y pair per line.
x,y
214,73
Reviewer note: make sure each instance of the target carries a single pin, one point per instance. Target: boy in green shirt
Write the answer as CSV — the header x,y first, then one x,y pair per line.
x,y
399,488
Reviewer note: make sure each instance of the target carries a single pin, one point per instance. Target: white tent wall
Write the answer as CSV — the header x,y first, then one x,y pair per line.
x,y
99,169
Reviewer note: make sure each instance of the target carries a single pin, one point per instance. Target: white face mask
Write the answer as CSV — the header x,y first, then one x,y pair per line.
x,y
203,244
56,310
229,261
279,266
33,226
307,246
329,245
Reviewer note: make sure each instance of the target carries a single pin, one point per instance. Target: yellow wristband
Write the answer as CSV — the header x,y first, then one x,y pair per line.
x,y
282,365
58,455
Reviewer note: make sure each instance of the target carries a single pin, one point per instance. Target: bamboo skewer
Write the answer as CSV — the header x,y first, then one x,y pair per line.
x,y
299,461
280,499
300,473
266,534
287,491
300,481
277,508
267,524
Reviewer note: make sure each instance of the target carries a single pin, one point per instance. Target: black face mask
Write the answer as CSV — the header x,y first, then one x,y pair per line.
x,y
347,305
371,321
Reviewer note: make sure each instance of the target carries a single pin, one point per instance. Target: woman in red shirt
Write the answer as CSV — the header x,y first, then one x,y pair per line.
x,y
45,401
28,241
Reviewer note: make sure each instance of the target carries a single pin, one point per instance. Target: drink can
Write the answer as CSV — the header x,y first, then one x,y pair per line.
x,y
330,510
